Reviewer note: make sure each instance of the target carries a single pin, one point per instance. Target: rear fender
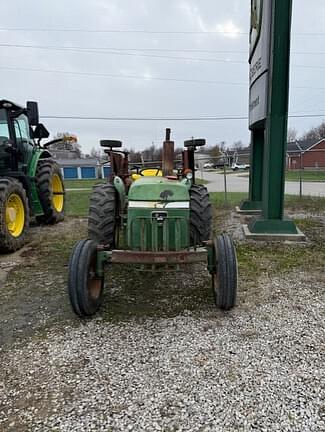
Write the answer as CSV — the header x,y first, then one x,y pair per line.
x,y
120,187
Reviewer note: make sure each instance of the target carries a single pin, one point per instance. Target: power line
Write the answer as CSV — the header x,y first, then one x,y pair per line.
x,y
191,50
93,51
98,74
207,118
53,30
76,30
144,78
115,51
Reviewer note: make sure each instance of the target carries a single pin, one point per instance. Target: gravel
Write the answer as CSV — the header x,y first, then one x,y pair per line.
x,y
260,367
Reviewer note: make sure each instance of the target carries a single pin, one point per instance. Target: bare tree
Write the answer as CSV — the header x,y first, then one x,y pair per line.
x,y
238,145
316,133
292,134
96,153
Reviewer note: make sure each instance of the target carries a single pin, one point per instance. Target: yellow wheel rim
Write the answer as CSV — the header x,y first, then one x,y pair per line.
x,y
15,215
57,190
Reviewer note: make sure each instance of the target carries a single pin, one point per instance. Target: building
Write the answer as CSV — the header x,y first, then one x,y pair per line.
x,y
74,169
308,154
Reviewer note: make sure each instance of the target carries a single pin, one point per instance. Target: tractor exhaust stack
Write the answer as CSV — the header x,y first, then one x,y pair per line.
x,y
168,155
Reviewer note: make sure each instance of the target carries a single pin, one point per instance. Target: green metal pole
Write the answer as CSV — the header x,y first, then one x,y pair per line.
x,y
254,201
276,126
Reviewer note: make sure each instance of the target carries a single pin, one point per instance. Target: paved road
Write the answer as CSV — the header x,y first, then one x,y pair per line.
x,y
239,183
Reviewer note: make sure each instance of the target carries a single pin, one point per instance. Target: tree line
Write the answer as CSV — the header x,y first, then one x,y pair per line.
x,y
69,142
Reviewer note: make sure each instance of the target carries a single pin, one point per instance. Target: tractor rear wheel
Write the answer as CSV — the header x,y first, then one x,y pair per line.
x,y
84,286
224,279
102,218
200,214
50,188
14,215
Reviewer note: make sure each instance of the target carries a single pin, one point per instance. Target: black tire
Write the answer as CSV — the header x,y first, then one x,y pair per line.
x,y
9,239
200,215
102,219
224,279
46,171
84,287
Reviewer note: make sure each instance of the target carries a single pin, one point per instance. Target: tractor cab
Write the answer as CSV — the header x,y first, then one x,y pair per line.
x,y
19,128
31,182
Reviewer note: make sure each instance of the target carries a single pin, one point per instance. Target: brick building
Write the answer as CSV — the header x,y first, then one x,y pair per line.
x,y
307,154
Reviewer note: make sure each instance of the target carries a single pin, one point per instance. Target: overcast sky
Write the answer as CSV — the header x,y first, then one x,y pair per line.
x,y
216,84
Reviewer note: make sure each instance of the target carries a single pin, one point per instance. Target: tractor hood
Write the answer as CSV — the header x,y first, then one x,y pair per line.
x,y
158,189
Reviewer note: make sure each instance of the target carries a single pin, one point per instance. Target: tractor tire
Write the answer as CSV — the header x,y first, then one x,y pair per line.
x,y
50,188
14,215
84,287
102,218
224,279
200,215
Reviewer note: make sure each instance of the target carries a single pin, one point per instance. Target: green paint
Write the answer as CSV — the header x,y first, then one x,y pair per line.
x,y
119,186
272,226
256,172
146,232
269,139
103,257
35,205
159,189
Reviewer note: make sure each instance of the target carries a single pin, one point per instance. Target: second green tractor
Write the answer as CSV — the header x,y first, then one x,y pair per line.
x,y
31,183
165,220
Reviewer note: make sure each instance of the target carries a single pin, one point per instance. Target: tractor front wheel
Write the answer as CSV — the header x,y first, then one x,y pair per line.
x,y
84,286
51,191
14,215
224,278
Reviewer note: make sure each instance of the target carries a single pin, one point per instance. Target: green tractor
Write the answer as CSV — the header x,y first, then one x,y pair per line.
x,y
165,219
31,183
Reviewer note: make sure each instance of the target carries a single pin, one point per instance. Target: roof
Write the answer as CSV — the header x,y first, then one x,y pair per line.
x,y
13,106
77,162
298,145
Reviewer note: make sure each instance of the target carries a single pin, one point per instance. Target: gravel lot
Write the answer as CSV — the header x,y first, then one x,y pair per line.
x,y
173,366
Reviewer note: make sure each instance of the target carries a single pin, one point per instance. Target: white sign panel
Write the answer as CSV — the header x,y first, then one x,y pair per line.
x,y
260,39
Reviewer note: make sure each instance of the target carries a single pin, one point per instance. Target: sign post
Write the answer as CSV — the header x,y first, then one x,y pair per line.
x,y
268,114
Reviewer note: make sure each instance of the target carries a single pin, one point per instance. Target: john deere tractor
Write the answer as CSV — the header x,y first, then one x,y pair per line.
x,y
30,181
165,221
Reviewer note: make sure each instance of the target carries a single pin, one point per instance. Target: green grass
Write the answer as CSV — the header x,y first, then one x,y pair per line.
x,y
307,175
201,181
75,184
77,203
233,198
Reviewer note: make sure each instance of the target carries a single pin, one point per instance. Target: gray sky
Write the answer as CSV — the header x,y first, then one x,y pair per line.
x,y
222,59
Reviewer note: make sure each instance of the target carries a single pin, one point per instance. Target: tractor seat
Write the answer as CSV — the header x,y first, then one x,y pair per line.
x,y
147,172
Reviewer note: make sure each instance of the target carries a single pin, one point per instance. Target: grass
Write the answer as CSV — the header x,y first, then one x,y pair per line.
x,y
307,175
201,181
76,184
77,202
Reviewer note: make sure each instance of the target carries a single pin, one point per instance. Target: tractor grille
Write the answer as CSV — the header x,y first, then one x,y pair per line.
x,y
158,231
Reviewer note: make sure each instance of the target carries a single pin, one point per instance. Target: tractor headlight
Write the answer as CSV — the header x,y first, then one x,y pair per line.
x,y
189,176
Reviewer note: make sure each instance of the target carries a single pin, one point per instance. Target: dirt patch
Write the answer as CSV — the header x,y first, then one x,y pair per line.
x,y
31,295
